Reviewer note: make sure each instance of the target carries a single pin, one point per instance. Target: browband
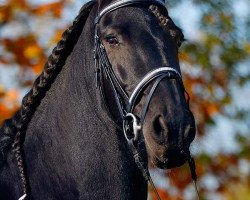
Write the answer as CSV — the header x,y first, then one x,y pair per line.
x,y
123,3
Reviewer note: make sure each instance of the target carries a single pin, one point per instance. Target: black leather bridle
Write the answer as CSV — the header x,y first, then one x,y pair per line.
x,y
125,103
132,126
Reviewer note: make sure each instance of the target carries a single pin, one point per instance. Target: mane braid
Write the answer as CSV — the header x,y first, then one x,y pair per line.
x,y
13,131
174,31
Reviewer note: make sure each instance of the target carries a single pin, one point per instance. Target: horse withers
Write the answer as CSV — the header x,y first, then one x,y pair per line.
x,y
111,89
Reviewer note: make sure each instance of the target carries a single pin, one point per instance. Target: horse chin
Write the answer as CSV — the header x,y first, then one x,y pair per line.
x,y
169,163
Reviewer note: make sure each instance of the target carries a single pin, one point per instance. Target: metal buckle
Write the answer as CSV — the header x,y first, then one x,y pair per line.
x,y
131,127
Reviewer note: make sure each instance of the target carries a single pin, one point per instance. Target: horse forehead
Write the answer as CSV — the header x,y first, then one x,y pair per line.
x,y
128,16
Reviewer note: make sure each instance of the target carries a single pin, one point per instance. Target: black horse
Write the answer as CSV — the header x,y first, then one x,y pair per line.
x,y
67,141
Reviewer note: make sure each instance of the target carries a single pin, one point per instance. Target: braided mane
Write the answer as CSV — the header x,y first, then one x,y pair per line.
x,y
166,21
13,130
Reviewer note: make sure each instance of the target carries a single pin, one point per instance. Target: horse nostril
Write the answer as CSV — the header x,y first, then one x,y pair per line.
x,y
160,129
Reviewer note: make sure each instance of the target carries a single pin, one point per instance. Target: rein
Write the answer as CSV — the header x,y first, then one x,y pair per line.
x,y
132,126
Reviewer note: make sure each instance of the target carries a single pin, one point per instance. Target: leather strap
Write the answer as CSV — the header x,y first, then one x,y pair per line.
x,y
147,79
123,3
149,97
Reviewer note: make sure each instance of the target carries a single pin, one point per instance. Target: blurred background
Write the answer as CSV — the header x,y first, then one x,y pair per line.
x,y
215,62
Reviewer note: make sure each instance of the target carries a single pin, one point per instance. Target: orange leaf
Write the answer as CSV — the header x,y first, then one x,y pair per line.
x,y
54,8
11,96
6,113
5,14
163,194
26,50
180,177
8,103
38,67
32,51
184,57
57,36
212,110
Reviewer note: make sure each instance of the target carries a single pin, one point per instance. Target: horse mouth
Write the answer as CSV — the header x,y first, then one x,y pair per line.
x,y
170,162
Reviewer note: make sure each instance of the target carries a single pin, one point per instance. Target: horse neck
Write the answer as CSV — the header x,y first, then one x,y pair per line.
x,y
71,144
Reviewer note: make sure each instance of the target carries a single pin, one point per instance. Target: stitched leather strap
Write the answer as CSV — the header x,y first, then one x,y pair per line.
x,y
147,79
123,3
149,97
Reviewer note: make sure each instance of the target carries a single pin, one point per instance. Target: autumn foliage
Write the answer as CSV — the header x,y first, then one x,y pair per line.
x,y
8,103
213,68
24,50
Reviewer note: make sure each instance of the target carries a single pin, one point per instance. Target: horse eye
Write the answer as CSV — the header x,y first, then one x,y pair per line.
x,y
112,40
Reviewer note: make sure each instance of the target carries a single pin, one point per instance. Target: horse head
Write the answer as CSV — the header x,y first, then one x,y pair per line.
x,y
137,43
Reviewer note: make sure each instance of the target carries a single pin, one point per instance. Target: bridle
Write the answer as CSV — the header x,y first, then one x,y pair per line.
x,y
132,126
125,103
